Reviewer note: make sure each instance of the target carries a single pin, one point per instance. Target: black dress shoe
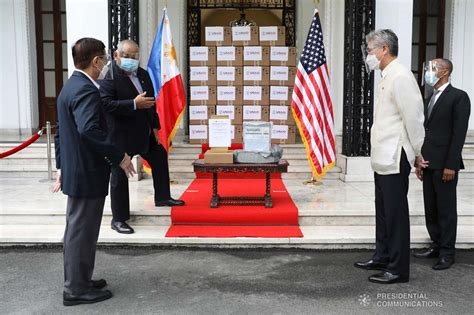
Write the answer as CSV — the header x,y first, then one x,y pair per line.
x,y
370,265
121,227
443,263
92,296
387,278
99,284
427,253
169,203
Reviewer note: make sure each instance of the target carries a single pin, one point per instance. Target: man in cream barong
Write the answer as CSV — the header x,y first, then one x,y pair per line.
x,y
397,135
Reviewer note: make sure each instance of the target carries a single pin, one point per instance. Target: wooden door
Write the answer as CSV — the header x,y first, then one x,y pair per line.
x,y
51,50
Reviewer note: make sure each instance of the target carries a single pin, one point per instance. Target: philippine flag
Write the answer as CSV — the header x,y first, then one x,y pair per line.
x,y
167,82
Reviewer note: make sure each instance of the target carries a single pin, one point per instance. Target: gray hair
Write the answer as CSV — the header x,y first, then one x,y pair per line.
x,y
384,37
125,42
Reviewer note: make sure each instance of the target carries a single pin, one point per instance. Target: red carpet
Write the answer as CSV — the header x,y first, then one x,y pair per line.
x,y
197,219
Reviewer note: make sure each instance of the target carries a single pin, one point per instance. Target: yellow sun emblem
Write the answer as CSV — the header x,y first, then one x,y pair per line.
x,y
170,53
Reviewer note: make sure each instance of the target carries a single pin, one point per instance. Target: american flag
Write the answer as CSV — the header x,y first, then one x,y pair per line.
x,y
311,102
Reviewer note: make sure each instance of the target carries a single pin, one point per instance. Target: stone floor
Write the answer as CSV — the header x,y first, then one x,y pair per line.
x,y
335,213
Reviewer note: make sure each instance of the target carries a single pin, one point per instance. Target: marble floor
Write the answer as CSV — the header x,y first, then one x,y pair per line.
x,y
29,197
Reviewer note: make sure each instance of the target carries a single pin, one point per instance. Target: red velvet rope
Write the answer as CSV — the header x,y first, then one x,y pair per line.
x,y
23,145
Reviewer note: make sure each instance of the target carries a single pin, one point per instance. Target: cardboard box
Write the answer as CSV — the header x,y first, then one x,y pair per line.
x,y
280,95
219,157
218,36
229,95
272,35
281,115
199,115
198,134
256,56
283,134
255,112
237,134
202,95
202,75
202,56
234,113
228,75
229,56
255,75
255,95
282,75
283,56
244,35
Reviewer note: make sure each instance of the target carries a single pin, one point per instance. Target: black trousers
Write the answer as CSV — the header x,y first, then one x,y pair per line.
x,y
392,219
440,210
83,218
157,157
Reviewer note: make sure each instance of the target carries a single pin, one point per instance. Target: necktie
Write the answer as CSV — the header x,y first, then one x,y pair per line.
x,y
432,102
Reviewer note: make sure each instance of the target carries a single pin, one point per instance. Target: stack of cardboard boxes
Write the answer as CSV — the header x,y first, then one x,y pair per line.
x,y
246,73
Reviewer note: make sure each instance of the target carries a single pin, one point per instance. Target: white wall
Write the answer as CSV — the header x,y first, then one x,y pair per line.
x,y
86,18
18,89
460,47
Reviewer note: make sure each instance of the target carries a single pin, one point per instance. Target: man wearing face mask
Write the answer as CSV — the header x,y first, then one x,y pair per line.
x,y
84,157
128,96
397,135
446,121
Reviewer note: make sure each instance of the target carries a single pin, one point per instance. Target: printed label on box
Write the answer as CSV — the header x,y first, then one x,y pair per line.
x,y
279,73
199,93
252,112
226,110
279,54
199,73
280,132
226,53
198,112
252,73
268,33
214,34
241,33
278,93
225,73
253,53
226,93
252,93
198,132
199,53
278,112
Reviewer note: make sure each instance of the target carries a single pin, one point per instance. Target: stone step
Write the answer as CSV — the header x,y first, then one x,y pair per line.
x,y
327,237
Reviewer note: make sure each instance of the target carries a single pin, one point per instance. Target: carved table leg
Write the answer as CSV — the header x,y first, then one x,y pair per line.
x,y
215,196
268,196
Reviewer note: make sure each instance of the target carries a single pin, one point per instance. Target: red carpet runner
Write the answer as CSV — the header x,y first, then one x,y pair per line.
x,y
197,219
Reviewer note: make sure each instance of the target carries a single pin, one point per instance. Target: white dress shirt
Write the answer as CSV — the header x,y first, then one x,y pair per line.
x,y
440,90
398,120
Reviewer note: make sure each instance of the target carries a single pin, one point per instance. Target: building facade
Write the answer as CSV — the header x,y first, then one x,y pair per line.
x,y
38,34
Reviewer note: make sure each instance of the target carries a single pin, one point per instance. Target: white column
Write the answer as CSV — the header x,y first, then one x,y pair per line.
x,y
459,46
18,88
397,16
86,18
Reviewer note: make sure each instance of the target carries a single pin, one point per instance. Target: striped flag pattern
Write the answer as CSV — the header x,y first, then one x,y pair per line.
x,y
311,103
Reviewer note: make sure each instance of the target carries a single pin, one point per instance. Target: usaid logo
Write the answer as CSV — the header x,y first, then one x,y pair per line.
x,y
226,53
269,33
252,53
279,112
200,112
279,93
277,72
199,93
196,132
226,72
240,33
279,53
279,132
199,53
214,33
251,111
226,93
252,93
199,72
253,72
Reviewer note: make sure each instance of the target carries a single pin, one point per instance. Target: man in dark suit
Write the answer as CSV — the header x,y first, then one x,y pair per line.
x,y
83,159
128,97
446,121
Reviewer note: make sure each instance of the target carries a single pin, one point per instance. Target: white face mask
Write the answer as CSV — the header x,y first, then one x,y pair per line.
x,y
372,62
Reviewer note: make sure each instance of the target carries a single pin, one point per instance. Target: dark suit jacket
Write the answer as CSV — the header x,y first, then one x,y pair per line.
x,y
129,129
446,128
83,152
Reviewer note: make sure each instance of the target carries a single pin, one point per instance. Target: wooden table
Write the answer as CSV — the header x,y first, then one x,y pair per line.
x,y
215,169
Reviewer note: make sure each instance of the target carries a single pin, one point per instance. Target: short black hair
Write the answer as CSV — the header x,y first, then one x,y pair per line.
x,y
84,50
447,64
